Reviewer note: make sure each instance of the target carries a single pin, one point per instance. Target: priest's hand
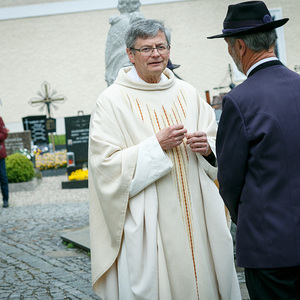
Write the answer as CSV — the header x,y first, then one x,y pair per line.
x,y
171,136
198,142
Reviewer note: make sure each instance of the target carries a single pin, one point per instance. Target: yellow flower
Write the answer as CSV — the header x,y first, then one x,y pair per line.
x,y
79,175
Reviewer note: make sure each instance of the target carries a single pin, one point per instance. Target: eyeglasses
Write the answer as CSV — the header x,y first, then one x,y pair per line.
x,y
147,51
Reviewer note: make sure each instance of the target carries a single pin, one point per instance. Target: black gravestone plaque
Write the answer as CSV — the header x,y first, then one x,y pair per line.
x,y
77,137
37,126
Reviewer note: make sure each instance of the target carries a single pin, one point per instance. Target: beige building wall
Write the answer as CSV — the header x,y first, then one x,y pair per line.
x,y
67,51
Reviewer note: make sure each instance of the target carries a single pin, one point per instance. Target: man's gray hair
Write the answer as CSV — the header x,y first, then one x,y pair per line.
x,y
257,41
144,29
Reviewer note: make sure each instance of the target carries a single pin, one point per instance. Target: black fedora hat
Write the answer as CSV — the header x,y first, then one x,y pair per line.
x,y
247,18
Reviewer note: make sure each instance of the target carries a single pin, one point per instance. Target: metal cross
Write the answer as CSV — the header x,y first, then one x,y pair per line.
x,y
46,98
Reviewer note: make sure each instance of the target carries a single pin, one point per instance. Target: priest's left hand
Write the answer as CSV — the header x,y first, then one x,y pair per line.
x,y
198,142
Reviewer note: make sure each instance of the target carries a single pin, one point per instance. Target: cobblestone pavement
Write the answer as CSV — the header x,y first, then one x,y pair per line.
x,y
34,263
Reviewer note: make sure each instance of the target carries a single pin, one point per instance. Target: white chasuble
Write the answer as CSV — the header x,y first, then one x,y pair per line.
x,y
161,233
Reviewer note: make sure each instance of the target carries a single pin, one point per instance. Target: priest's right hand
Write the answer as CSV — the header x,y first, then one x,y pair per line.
x,y
171,137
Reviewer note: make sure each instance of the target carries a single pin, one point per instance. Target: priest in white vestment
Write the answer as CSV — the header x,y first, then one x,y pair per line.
x,y
157,223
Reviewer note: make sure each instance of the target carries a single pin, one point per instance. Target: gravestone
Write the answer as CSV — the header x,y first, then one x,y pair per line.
x,y
37,126
77,138
18,140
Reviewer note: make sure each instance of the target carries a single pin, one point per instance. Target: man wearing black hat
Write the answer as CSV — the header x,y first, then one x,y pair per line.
x,y
258,151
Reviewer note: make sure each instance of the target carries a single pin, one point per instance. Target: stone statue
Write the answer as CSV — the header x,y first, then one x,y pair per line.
x,y
115,51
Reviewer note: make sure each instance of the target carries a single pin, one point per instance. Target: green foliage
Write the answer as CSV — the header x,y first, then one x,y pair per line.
x,y
58,139
38,174
68,244
19,168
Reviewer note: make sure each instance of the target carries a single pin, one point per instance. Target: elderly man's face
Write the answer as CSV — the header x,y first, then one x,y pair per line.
x,y
149,68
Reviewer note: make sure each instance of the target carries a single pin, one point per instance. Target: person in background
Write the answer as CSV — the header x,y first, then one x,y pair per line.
x,y
258,146
172,67
157,222
3,176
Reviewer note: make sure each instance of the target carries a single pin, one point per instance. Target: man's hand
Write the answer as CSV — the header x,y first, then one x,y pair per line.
x,y
171,137
198,143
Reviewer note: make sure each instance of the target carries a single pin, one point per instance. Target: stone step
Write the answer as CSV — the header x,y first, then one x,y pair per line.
x,y
78,237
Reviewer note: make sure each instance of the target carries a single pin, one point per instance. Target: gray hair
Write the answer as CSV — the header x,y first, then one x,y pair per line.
x,y
257,41
144,29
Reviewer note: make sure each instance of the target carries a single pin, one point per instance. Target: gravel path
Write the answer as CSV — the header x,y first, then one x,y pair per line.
x,y
48,191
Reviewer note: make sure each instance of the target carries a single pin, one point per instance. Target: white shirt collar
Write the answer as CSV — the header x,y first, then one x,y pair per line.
x,y
134,75
259,63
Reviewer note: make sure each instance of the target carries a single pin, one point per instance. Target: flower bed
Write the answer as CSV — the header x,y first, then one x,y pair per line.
x,y
77,179
55,160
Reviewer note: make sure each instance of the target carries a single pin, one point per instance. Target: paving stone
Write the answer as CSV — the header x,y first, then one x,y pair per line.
x,y
34,262
5,295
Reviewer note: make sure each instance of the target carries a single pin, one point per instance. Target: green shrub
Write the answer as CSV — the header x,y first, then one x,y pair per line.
x,y
18,168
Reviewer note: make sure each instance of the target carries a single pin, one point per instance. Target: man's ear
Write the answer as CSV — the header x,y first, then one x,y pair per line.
x,y
241,46
130,55
169,52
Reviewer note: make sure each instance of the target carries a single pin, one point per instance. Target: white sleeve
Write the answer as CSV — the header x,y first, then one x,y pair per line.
x,y
152,164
